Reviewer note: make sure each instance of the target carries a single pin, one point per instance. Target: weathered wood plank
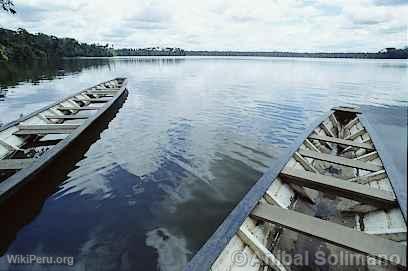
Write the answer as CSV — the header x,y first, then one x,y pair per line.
x,y
351,123
8,146
342,188
347,109
68,117
367,157
48,126
65,108
327,130
356,134
341,141
41,117
305,164
14,164
95,100
105,89
101,92
310,145
340,160
44,131
336,234
375,176
259,249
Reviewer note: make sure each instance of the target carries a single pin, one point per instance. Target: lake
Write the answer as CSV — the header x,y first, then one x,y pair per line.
x,y
193,136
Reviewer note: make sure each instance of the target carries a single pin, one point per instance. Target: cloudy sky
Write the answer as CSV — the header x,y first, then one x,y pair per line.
x,y
295,25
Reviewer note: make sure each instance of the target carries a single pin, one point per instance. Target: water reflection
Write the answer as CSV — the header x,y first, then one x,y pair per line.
x,y
24,206
192,138
11,74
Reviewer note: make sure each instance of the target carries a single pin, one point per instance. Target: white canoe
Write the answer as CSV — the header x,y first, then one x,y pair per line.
x,y
331,194
30,143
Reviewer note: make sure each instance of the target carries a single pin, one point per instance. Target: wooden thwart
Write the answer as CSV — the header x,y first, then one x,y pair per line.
x,y
340,160
67,117
95,100
101,92
347,109
14,164
374,176
336,234
342,188
78,108
44,131
48,126
341,141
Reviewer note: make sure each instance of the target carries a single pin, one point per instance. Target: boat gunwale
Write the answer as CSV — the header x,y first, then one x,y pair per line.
x,y
11,184
209,252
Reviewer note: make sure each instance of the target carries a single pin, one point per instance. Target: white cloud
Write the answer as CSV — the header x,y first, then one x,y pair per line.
x,y
310,25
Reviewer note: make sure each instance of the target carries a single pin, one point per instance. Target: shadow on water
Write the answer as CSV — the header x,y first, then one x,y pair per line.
x,y
24,206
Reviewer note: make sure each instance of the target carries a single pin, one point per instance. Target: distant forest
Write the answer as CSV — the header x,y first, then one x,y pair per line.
x,y
22,46
387,53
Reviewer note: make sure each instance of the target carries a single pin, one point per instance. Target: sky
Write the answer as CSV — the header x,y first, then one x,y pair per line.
x,y
257,25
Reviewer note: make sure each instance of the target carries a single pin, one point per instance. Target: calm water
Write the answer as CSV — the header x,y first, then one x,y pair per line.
x,y
191,139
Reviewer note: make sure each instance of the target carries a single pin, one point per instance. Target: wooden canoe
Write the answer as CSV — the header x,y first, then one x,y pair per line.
x,y
332,194
30,143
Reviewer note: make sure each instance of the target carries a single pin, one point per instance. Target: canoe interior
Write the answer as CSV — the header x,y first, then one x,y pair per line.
x,y
25,141
337,179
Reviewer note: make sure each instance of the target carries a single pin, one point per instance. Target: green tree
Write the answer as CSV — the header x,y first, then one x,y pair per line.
x,y
8,6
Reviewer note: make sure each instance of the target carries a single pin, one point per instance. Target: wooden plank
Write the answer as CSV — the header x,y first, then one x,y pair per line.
x,y
101,92
41,117
14,164
367,157
65,108
95,100
106,89
327,130
74,104
340,160
8,146
339,187
259,249
347,109
335,122
68,117
336,234
48,126
44,131
341,141
374,176
301,160
310,145
356,134
351,123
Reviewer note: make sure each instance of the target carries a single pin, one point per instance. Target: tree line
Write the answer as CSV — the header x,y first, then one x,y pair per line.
x,y
21,45
155,51
388,53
